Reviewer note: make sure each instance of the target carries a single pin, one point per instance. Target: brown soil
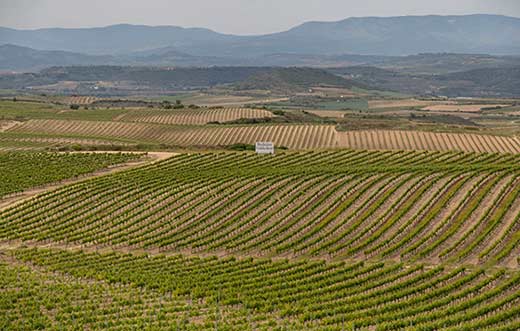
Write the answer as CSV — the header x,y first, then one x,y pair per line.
x,y
373,104
6,125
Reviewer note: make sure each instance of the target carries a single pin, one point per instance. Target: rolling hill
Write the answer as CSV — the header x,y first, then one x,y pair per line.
x,y
13,57
278,79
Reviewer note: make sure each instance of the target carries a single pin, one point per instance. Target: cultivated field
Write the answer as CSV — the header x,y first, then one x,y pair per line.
x,y
5,125
345,240
145,207
291,136
462,108
14,140
407,205
220,100
80,100
422,140
194,116
184,293
19,171
405,103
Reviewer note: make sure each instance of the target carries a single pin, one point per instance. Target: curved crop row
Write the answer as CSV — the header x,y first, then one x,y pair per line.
x,y
340,205
114,289
195,116
422,140
20,171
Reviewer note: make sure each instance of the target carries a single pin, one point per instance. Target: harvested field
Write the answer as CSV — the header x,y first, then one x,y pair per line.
x,y
403,103
194,116
207,100
462,108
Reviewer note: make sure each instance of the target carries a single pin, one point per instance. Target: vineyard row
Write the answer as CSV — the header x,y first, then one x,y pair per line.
x,y
351,205
299,137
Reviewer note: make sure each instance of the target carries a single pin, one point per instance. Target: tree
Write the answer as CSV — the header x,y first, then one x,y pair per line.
x,y
178,104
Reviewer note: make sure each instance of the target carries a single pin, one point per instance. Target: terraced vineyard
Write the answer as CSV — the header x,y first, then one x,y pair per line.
x,y
195,116
343,240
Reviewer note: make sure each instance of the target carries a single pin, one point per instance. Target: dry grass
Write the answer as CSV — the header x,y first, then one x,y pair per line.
x,y
403,103
461,108
207,100
6,125
334,92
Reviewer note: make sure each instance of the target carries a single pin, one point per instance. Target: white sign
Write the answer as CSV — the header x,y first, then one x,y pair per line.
x,y
264,148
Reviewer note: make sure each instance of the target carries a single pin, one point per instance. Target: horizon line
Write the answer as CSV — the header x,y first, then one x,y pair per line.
x,y
235,34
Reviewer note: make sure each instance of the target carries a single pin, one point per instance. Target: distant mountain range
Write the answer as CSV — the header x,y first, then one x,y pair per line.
x,y
384,36
24,59
14,57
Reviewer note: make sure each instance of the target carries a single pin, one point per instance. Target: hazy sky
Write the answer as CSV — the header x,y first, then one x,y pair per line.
x,y
228,16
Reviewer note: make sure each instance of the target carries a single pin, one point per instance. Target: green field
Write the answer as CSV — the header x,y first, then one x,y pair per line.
x,y
23,110
200,237
348,240
20,171
114,291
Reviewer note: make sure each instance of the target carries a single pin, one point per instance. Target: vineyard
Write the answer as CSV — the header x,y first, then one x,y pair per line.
x,y
432,141
35,141
292,136
114,291
195,116
409,206
20,171
331,240
161,178
298,137
80,100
